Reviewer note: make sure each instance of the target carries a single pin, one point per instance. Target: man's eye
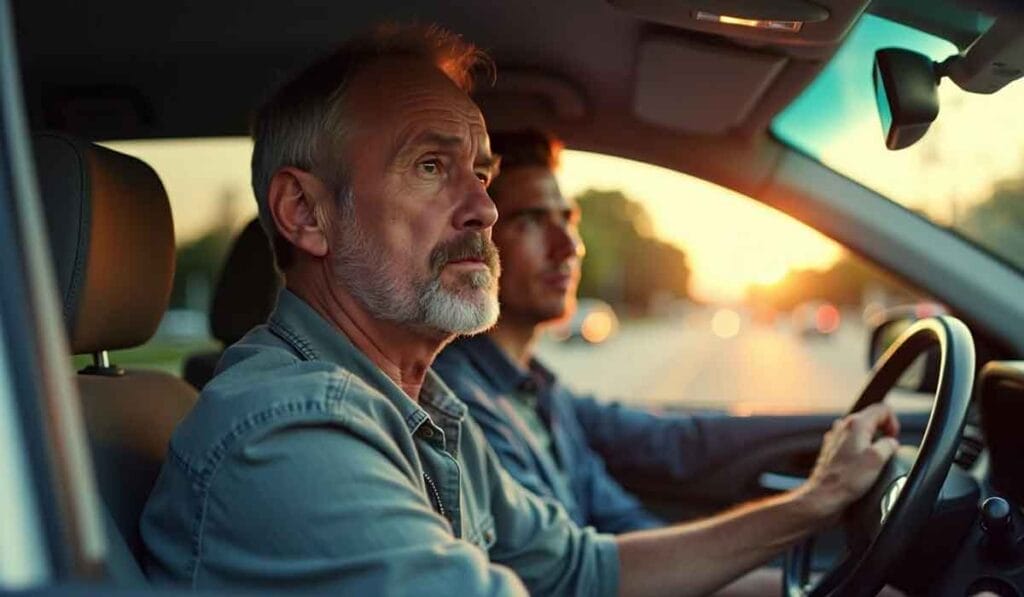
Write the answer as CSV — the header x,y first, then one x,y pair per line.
x,y
531,218
430,167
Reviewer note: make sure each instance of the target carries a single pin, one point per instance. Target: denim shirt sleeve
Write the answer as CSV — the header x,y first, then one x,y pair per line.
x,y
677,446
612,509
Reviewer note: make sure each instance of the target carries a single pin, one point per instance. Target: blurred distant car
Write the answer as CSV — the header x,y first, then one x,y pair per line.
x,y
593,322
878,315
816,319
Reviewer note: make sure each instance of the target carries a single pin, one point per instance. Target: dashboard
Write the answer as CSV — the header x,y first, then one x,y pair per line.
x,y
984,534
1000,396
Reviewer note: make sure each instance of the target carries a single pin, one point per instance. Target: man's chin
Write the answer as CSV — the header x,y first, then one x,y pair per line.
x,y
463,313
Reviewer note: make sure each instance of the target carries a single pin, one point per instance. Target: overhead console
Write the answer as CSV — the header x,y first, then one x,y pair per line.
x,y
798,28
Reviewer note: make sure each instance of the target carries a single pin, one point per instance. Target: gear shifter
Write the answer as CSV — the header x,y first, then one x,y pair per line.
x,y
997,523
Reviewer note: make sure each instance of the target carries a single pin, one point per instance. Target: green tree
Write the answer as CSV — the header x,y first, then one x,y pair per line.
x,y
625,264
997,223
198,262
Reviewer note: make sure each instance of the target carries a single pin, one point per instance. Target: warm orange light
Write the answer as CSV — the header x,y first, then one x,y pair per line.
x,y
738,21
596,327
791,26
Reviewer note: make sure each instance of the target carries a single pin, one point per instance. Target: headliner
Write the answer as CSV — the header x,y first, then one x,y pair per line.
x,y
127,69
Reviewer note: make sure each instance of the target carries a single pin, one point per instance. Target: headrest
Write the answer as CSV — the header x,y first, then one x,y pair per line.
x,y
248,286
112,240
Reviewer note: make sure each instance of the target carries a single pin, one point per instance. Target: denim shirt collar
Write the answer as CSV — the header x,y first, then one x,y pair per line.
x,y
500,370
316,339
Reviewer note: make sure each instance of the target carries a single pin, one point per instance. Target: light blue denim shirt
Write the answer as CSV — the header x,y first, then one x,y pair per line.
x,y
304,467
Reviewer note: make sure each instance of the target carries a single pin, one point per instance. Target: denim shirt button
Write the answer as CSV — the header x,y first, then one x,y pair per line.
x,y
427,432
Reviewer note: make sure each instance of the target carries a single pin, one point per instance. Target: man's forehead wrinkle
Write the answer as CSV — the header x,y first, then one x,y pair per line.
x,y
418,134
437,128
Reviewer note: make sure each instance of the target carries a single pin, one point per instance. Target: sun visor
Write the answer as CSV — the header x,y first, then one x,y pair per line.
x,y
694,87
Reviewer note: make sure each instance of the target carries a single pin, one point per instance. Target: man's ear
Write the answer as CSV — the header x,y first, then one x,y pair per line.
x,y
292,199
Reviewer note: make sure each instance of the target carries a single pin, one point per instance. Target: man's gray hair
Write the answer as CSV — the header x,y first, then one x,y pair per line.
x,y
302,124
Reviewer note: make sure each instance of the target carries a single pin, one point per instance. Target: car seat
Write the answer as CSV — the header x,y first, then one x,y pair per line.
x,y
244,297
112,242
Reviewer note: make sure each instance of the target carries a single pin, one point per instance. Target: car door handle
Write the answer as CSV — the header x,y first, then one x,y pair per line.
x,y
779,482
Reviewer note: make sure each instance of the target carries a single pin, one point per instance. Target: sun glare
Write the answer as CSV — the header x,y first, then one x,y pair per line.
x,y
732,241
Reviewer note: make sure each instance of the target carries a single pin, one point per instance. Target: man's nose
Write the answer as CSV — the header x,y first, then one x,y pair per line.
x,y
566,242
476,211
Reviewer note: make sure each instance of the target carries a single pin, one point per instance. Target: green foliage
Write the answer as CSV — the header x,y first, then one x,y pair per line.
x,y
198,262
198,267
625,265
998,222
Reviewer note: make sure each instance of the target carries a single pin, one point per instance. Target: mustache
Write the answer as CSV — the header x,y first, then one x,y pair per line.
x,y
473,245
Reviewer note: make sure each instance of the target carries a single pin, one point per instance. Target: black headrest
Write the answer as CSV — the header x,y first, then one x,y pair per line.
x,y
248,286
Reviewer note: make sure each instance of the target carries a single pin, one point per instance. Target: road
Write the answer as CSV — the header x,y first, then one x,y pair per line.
x,y
679,362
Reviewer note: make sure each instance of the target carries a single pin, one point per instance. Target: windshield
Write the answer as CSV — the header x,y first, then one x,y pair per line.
x,y
966,174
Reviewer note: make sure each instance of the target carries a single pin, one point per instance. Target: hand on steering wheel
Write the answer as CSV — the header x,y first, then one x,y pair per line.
x,y
882,524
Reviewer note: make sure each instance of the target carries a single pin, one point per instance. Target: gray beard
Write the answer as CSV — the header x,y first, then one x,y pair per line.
x,y
424,304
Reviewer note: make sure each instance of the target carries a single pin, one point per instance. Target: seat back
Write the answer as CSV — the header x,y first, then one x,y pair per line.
x,y
243,299
112,239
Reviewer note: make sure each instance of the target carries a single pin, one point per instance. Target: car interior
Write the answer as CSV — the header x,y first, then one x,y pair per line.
x,y
244,297
114,256
616,77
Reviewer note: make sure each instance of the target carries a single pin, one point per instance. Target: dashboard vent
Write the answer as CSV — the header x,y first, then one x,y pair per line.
x,y
971,446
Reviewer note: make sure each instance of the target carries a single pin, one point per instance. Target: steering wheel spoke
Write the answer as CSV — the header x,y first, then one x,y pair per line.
x,y
865,518
810,585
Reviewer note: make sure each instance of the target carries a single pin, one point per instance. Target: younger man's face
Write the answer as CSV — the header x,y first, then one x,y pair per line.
x,y
538,239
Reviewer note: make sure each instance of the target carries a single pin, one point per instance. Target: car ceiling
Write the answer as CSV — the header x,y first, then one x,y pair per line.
x,y
614,76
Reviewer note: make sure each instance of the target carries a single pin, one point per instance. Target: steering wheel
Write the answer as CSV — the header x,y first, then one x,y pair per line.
x,y
884,522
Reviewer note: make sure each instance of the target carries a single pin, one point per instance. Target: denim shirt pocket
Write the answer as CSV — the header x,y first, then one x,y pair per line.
x,y
482,533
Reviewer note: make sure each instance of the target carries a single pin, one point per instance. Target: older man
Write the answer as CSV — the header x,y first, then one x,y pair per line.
x,y
326,455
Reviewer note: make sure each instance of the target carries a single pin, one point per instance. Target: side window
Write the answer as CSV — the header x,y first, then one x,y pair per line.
x,y
207,181
721,302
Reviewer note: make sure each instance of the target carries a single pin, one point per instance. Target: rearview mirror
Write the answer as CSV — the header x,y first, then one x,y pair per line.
x,y
906,91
